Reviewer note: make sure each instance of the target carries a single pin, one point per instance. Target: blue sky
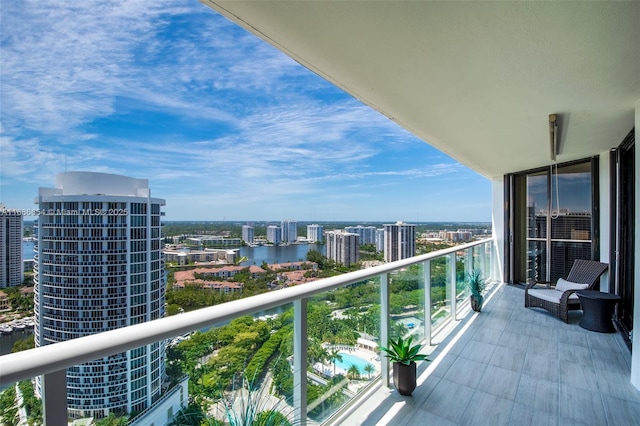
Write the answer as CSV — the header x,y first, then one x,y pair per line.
x,y
224,126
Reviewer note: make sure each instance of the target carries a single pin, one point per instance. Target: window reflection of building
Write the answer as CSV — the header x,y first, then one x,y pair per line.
x,y
570,240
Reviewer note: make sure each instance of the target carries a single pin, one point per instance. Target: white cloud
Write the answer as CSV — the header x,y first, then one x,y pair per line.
x,y
172,92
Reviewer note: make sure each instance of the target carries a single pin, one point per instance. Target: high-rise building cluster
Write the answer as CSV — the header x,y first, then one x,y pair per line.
x,y
11,268
99,267
367,233
399,241
343,247
456,236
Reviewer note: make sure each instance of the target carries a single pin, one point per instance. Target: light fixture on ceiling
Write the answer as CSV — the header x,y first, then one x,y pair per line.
x,y
553,136
553,147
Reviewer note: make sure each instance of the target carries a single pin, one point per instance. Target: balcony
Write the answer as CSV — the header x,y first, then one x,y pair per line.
x,y
526,363
514,366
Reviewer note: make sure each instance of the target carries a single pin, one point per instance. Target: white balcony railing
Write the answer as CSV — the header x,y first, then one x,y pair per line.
x,y
51,361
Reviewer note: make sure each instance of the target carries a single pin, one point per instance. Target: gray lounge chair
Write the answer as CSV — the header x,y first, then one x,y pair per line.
x,y
558,300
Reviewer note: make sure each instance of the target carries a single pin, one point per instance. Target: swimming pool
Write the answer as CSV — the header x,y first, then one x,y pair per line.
x,y
349,359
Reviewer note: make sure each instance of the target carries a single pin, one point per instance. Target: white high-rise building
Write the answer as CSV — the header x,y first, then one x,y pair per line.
x,y
399,241
379,239
343,247
99,267
289,231
248,233
274,234
11,268
314,233
367,233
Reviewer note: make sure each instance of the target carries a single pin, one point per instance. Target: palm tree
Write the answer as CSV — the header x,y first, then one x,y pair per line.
x,y
369,369
317,352
353,372
334,356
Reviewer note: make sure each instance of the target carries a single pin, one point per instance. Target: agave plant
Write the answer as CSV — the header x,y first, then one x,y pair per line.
x,y
476,285
475,282
403,352
252,405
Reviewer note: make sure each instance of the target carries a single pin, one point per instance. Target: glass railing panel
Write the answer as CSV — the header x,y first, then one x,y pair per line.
x,y
406,302
238,369
477,258
440,290
462,293
31,409
343,335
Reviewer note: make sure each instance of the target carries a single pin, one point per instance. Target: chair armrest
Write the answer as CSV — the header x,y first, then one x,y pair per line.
x,y
564,299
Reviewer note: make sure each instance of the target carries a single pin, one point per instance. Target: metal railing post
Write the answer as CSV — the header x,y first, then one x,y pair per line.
x,y
427,301
468,267
300,361
384,326
454,285
54,398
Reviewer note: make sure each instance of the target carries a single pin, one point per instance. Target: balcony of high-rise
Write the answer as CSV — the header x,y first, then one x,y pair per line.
x,y
541,99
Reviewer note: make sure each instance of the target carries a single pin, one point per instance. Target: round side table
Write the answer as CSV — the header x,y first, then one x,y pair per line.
x,y
597,310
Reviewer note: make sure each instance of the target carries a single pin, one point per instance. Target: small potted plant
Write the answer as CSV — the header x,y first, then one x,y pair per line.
x,y
404,356
476,286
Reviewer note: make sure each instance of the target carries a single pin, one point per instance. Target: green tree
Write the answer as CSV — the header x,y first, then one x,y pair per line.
x,y
353,373
8,406
334,356
369,369
24,344
113,420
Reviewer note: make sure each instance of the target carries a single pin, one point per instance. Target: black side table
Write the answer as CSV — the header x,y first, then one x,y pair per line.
x,y
597,310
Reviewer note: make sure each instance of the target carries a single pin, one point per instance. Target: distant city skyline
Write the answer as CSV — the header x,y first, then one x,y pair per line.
x,y
224,126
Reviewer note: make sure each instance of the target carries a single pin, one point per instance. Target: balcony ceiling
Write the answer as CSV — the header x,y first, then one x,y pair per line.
x,y
477,80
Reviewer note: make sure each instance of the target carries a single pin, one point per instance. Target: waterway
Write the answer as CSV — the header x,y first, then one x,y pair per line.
x,y
7,340
256,255
27,249
278,254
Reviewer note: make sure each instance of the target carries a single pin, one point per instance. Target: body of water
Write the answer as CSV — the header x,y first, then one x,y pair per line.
x,y
7,340
27,249
349,359
256,255
278,254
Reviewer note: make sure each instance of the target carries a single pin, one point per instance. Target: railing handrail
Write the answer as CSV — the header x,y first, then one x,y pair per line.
x,y
59,356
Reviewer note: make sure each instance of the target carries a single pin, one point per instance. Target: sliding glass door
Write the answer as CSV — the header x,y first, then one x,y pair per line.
x,y
623,256
552,220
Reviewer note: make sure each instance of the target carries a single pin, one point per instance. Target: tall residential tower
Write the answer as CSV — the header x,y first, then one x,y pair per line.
x,y
343,247
314,233
11,268
289,231
99,267
248,232
274,234
399,241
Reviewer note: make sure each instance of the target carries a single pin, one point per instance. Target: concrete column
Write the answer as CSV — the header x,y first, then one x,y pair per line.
x,y
635,355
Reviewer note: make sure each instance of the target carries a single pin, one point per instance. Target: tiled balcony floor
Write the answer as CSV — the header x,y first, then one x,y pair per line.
x,y
515,366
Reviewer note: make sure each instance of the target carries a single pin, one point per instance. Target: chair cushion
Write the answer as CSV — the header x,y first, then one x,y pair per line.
x,y
564,285
551,295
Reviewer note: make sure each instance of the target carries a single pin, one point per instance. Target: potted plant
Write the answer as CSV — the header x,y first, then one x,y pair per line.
x,y
476,285
403,355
